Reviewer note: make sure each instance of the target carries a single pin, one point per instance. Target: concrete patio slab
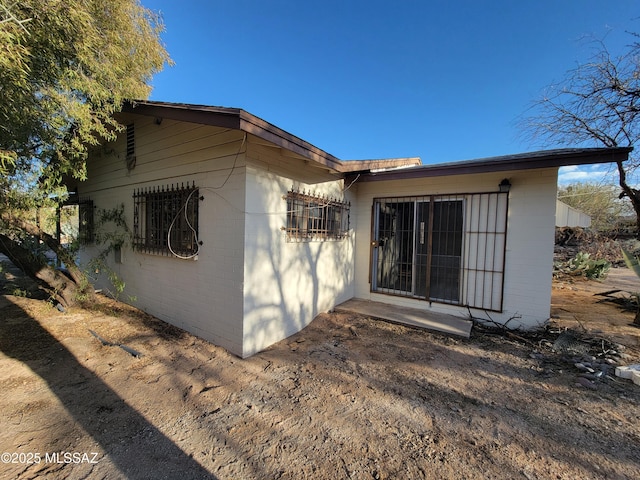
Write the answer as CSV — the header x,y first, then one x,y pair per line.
x,y
439,322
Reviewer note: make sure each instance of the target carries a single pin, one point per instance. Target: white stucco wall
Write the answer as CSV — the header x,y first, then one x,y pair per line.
x,y
529,249
530,242
287,284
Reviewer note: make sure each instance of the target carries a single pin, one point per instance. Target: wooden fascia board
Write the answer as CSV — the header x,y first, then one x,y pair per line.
x,y
227,118
554,159
237,119
350,166
269,132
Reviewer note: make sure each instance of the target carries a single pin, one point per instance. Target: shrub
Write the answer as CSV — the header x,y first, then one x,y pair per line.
x,y
583,265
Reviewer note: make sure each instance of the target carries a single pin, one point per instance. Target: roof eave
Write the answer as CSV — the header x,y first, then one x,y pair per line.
x,y
215,116
237,119
267,131
359,166
525,161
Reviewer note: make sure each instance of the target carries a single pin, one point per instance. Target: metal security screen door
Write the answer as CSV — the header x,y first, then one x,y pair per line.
x,y
447,249
419,247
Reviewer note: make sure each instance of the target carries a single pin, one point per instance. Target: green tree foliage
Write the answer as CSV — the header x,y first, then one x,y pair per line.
x,y
600,202
598,103
66,66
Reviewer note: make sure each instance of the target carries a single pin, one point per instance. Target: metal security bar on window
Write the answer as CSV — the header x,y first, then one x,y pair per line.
x,y
85,222
311,217
485,246
165,220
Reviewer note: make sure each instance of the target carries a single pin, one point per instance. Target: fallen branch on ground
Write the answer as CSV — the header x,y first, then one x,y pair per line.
x,y
489,325
107,343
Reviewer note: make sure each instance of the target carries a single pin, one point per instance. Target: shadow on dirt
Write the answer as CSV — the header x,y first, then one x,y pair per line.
x,y
121,431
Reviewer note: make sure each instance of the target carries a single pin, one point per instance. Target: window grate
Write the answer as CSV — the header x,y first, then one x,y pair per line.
x,y
311,217
86,234
165,220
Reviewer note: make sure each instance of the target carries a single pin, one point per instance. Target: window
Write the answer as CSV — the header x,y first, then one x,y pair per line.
x,y
165,220
85,222
315,218
441,248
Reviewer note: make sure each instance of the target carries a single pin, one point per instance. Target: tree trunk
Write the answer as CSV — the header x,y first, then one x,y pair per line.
x,y
62,288
633,194
74,272
65,288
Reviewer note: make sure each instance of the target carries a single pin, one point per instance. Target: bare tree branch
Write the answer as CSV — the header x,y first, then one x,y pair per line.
x,y
598,103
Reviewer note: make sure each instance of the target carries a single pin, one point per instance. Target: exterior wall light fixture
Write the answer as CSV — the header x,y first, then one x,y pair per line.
x,y
504,185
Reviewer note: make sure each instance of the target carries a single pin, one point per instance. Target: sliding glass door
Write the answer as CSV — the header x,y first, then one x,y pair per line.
x,y
441,248
418,247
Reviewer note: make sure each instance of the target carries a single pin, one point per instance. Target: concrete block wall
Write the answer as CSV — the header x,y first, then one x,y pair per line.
x,y
203,295
530,243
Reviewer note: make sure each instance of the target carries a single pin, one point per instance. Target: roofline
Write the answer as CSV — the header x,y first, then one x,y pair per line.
x,y
521,161
233,118
378,164
369,170
238,119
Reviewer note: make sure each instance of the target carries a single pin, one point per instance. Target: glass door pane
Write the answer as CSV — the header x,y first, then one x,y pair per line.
x,y
394,268
418,247
446,251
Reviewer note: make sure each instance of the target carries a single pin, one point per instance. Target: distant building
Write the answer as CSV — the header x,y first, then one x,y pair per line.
x,y
567,216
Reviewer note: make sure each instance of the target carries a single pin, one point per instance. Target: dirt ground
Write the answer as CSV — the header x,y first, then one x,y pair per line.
x,y
348,397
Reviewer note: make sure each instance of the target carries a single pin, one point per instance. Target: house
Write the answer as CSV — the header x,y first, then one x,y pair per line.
x,y
241,233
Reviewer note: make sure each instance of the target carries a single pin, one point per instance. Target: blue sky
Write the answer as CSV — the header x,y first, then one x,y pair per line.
x,y
435,79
